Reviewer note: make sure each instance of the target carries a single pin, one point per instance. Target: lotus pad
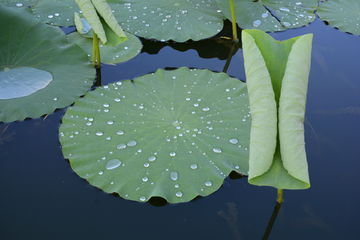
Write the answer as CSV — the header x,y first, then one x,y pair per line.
x,y
121,53
179,20
39,70
342,14
269,15
173,134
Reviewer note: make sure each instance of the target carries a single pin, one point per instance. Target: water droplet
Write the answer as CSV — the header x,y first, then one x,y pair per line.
x,y
298,3
19,4
57,14
172,154
233,141
146,164
142,198
193,166
99,133
117,99
110,122
187,99
256,23
208,183
174,176
196,104
50,16
152,158
120,132
55,99
101,173
112,164
205,109
121,146
286,24
132,143
88,123
264,15
284,9
145,179
179,194
217,150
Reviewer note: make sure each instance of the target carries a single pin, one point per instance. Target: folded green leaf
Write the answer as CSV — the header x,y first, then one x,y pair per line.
x,y
105,12
92,17
105,25
277,76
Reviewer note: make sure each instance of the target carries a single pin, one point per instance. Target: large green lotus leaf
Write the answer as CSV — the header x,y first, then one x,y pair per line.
x,y
17,3
172,134
54,12
265,14
121,53
277,76
39,70
179,20
342,14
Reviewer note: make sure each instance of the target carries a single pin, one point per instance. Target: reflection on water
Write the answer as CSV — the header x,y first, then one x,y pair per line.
x,y
231,218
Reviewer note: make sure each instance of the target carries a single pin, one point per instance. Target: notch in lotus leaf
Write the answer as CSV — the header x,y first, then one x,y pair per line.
x,y
103,23
277,79
171,134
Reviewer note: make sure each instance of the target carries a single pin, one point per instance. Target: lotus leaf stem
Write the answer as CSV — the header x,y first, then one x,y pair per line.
x,y
96,51
280,196
233,20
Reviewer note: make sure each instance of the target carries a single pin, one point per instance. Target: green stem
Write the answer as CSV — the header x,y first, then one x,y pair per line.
x,y
280,196
233,20
96,50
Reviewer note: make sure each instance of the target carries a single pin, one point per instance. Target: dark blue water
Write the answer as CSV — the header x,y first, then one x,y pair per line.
x,y
42,198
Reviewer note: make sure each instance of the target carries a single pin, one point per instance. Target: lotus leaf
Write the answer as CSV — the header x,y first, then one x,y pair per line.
x,y
178,20
342,14
269,15
171,134
277,78
38,67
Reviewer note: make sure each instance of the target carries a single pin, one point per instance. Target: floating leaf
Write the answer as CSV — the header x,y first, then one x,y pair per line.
x,y
342,14
54,12
277,77
17,3
172,134
39,70
179,20
121,53
268,15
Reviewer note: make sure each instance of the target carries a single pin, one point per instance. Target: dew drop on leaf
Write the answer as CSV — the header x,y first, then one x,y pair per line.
x,y
112,164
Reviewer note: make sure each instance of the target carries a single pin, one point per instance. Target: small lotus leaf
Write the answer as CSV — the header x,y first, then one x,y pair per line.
x,y
342,14
179,20
172,134
121,53
29,46
269,15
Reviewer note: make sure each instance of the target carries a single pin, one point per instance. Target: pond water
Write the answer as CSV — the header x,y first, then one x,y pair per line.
x,y
42,198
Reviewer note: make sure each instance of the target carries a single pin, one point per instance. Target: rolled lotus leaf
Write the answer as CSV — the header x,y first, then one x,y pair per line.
x,y
263,109
277,76
92,17
105,11
292,109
